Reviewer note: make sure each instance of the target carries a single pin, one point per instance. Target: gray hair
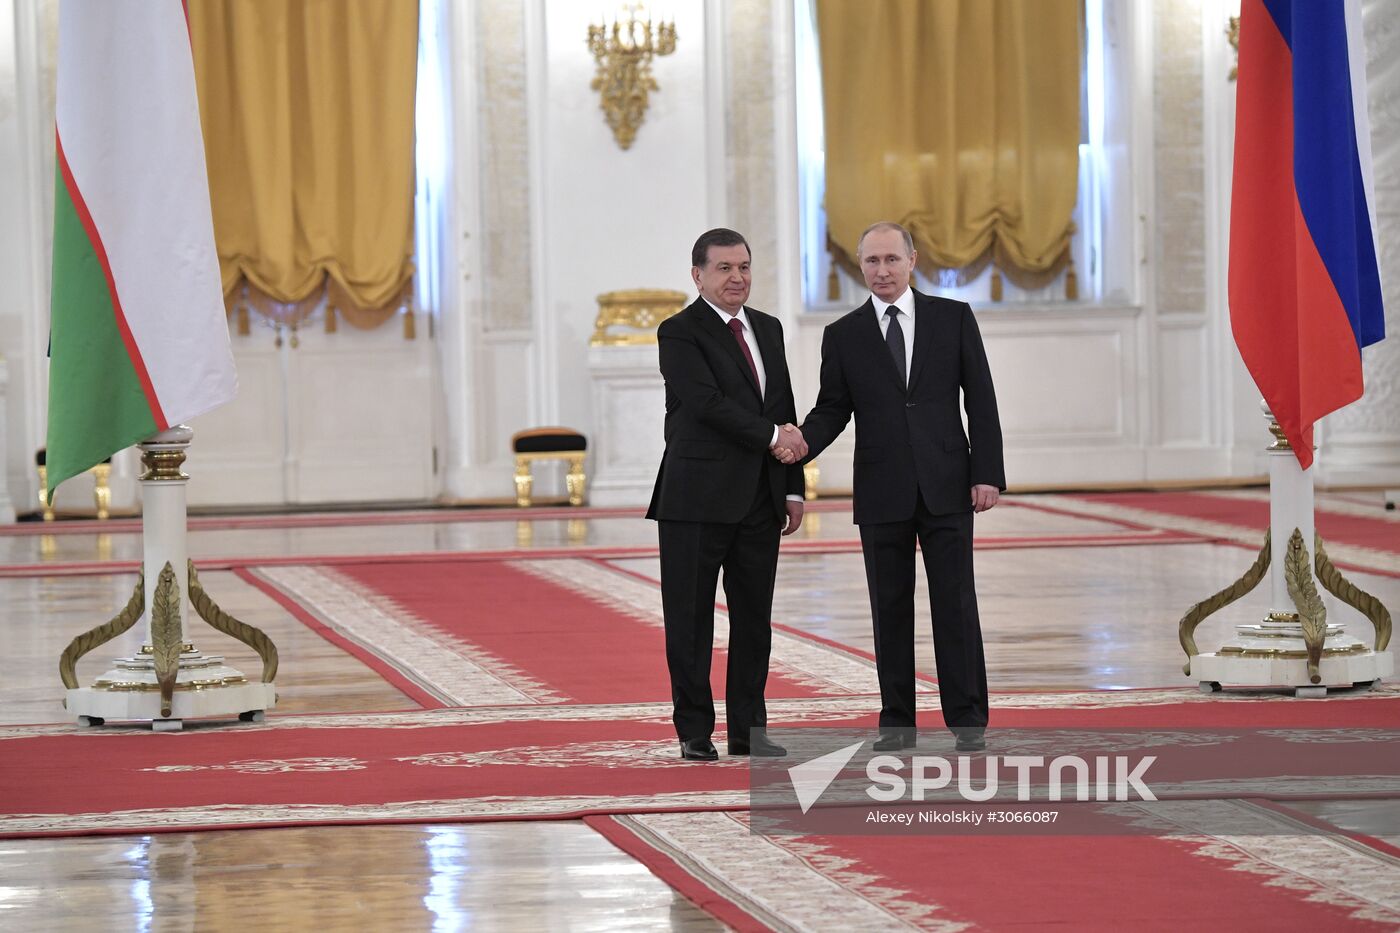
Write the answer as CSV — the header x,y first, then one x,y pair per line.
x,y
886,225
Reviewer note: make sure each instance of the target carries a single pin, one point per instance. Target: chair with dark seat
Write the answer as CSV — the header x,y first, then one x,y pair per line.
x,y
551,443
101,492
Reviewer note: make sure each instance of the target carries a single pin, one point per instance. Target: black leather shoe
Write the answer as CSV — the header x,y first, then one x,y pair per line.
x,y
699,750
756,745
895,741
970,738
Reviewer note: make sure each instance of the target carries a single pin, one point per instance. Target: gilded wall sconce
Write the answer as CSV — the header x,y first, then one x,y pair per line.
x,y
624,50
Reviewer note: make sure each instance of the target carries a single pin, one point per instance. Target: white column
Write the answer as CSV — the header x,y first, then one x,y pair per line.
x,y
163,518
1290,507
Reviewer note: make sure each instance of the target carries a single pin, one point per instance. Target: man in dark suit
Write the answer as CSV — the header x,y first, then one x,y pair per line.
x,y
898,363
721,501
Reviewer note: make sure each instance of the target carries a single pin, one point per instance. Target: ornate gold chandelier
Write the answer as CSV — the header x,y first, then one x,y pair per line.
x,y
624,50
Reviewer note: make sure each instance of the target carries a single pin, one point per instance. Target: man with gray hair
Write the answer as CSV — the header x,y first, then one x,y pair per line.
x,y
898,363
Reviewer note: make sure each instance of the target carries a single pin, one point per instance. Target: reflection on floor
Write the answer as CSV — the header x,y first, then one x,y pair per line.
x,y
1068,601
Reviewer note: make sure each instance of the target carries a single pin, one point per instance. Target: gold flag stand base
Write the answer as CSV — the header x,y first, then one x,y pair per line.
x,y
1294,645
169,681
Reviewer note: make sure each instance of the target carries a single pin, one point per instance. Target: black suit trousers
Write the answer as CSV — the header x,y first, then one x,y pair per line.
x,y
946,542
693,554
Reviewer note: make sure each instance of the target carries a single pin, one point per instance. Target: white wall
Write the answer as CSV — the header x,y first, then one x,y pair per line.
x,y
595,218
545,212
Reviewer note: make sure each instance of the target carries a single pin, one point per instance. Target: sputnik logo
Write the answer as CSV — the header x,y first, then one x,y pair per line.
x,y
811,778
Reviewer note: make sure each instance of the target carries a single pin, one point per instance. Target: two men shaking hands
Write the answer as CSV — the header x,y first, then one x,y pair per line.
x,y
731,483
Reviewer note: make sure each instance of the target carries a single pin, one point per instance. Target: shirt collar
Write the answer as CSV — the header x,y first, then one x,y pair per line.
x,y
905,303
725,316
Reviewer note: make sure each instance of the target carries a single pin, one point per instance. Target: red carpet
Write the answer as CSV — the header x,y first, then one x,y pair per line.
x,y
493,763
583,648
1125,537
477,633
1377,532
1075,883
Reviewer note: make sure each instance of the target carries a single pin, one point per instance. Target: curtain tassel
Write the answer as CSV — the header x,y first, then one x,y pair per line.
x,y
833,282
244,328
1071,283
996,284
330,319
410,329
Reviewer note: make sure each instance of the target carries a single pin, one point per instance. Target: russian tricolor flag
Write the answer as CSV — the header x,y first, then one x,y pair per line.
x,y
1305,291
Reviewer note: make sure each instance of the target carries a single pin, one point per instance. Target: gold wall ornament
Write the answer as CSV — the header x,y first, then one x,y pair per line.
x,y
1232,33
639,310
624,50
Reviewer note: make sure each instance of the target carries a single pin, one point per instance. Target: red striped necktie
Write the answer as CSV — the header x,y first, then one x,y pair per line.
x,y
736,326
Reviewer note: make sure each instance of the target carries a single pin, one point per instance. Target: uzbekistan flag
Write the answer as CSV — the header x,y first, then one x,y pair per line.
x,y
1305,291
139,339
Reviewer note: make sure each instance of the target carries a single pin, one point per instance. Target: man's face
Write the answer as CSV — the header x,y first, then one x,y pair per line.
x,y
724,279
886,264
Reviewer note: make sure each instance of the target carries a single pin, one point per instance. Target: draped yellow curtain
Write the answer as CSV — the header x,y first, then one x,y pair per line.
x,y
958,119
308,130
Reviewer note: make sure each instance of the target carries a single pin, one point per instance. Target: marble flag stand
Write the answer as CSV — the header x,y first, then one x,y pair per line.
x,y
1293,645
169,681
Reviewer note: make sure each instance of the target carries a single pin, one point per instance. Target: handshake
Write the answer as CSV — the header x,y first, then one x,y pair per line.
x,y
790,446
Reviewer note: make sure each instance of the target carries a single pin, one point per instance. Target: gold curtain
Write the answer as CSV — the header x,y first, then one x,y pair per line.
x,y
958,119
308,131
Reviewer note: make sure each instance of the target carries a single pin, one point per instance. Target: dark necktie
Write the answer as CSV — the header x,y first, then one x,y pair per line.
x,y
736,326
894,336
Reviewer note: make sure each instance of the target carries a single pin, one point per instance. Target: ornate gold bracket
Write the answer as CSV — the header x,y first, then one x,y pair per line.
x,y
1186,628
638,311
250,635
96,637
1297,572
1333,582
167,638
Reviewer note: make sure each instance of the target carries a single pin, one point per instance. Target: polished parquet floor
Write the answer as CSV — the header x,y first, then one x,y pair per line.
x,y
1054,617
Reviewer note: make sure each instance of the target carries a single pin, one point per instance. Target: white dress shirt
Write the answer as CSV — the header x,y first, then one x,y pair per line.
x,y
752,341
904,304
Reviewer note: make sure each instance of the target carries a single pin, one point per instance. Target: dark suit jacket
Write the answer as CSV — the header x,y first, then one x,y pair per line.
x,y
717,426
912,441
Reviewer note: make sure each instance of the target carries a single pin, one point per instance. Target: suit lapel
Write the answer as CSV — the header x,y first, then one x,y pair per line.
x,y
772,352
720,331
874,340
923,336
